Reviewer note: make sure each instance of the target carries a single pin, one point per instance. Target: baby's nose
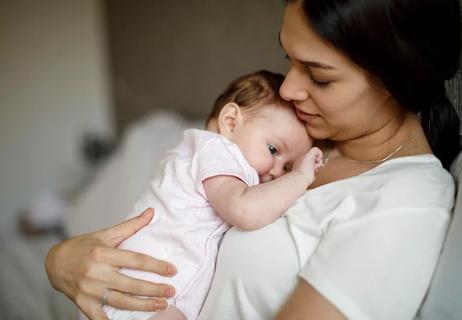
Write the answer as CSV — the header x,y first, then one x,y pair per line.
x,y
277,171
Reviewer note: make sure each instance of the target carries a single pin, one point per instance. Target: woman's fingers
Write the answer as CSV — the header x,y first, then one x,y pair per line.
x,y
83,267
96,313
138,287
138,261
113,236
91,310
128,302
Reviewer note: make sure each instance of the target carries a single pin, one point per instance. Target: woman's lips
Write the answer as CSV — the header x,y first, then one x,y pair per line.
x,y
305,115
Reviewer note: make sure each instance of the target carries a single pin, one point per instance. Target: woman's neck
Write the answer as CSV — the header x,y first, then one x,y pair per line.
x,y
347,159
390,140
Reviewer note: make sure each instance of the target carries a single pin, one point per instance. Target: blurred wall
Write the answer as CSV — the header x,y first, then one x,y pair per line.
x,y
53,88
181,54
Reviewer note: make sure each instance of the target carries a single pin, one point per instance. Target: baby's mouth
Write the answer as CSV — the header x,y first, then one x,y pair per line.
x,y
266,178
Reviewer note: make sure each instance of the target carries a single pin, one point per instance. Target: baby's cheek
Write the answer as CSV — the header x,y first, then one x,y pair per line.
x,y
264,161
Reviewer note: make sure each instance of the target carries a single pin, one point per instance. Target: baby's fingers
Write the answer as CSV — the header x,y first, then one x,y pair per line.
x,y
316,153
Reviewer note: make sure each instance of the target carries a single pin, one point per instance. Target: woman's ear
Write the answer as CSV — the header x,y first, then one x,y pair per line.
x,y
229,118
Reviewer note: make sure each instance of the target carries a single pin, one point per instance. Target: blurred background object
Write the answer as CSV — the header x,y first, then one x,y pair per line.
x,y
55,88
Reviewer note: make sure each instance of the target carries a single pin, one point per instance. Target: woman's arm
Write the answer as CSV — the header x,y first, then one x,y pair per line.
x,y
85,266
307,303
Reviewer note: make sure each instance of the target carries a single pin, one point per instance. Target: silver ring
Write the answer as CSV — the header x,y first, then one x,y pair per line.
x,y
105,296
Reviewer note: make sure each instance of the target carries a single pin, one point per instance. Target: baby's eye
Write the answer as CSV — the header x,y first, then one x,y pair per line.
x,y
287,167
272,149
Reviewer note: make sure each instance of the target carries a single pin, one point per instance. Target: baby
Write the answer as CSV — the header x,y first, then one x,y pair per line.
x,y
252,164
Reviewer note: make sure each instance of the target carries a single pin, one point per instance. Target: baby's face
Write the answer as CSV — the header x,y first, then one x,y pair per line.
x,y
272,140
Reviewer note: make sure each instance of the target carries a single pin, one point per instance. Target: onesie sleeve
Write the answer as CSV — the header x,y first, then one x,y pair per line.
x,y
221,157
358,267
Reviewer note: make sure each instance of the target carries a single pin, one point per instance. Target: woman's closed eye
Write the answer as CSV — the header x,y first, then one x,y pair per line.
x,y
318,82
272,149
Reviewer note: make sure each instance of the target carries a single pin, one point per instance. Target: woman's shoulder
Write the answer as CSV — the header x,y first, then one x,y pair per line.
x,y
420,171
423,172
415,181
406,184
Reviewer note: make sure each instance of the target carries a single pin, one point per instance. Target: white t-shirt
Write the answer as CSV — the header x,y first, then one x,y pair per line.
x,y
369,244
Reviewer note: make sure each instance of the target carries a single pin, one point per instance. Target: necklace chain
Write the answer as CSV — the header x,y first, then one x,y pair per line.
x,y
326,158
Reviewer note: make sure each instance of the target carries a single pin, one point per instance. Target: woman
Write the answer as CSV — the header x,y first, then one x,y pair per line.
x,y
367,77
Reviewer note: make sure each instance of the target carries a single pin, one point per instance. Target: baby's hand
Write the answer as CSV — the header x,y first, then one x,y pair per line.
x,y
309,163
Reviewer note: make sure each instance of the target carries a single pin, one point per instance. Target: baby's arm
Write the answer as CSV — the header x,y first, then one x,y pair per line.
x,y
250,208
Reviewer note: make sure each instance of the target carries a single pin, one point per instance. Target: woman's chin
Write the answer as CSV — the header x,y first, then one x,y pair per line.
x,y
316,132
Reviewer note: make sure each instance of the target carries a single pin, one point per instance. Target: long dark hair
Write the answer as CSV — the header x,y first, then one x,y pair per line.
x,y
411,46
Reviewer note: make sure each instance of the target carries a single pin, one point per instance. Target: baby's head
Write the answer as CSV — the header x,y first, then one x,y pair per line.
x,y
251,114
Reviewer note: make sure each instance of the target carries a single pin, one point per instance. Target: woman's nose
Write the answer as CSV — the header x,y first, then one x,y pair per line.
x,y
293,89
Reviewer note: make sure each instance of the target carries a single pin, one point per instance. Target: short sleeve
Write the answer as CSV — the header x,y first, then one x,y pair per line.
x,y
221,157
358,267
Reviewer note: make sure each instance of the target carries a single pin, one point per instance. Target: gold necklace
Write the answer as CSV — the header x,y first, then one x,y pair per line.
x,y
326,158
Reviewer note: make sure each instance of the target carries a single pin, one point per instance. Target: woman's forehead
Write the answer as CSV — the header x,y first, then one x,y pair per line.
x,y
302,44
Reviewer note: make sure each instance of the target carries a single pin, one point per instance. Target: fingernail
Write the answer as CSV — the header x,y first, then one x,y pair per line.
x,y
145,213
169,292
161,304
171,270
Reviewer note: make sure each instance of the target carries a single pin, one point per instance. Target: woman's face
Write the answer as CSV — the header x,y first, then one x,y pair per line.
x,y
335,97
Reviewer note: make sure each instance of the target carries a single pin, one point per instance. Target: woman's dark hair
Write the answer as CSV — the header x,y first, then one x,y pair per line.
x,y
411,46
250,91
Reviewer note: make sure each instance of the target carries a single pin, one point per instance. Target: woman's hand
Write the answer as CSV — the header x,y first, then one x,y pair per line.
x,y
84,267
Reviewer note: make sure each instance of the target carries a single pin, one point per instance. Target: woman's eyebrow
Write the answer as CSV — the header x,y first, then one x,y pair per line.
x,y
315,64
309,63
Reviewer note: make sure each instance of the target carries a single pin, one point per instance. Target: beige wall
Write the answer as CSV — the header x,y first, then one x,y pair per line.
x,y
181,54
53,88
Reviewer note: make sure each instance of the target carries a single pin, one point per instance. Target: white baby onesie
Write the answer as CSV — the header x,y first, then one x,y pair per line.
x,y
185,230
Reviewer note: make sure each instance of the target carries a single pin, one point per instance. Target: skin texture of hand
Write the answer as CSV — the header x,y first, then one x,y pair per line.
x,y
83,267
309,163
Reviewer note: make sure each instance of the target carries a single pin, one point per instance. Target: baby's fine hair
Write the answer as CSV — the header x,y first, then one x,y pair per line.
x,y
249,91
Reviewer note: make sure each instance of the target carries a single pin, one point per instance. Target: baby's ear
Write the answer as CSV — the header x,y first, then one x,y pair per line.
x,y
230,116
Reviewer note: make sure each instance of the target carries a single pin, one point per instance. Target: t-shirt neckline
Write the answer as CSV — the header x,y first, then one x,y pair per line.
x,y
426,157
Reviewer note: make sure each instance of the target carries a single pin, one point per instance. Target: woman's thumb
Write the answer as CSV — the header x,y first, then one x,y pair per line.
x,y
113,236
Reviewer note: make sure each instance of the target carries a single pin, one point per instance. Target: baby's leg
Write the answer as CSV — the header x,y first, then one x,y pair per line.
x,y
171,313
